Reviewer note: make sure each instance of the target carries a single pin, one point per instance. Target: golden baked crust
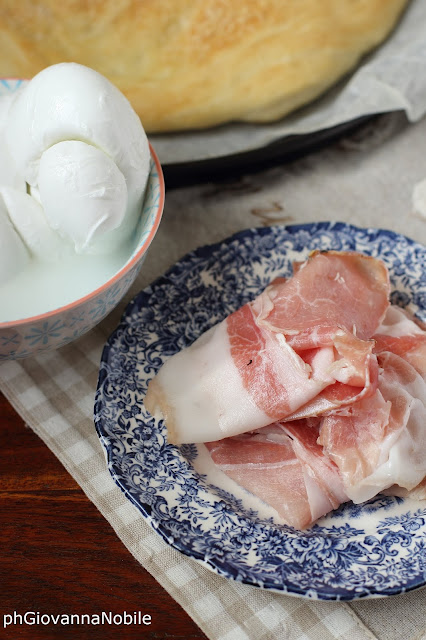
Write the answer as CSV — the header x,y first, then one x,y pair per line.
x,y
197,63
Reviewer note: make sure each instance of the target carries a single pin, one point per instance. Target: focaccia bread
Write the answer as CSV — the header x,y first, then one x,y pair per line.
x,y
197,63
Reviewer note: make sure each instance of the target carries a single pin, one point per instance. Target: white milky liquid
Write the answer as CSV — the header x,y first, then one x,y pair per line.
x,y
43,287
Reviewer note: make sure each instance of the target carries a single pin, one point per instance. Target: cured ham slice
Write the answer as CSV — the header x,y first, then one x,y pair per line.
x,y
306,467
285,467
381,441
330,289
401,335
356,374
301,347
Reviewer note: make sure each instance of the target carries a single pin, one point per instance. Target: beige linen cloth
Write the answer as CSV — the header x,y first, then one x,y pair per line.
x,y
366,179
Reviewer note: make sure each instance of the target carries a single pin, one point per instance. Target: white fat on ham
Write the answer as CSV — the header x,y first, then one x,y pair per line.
x,y
418,493
195,391
381,441
400,334
206,394
398,323
300,339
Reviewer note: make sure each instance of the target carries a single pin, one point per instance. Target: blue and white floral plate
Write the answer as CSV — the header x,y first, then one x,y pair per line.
x,y
370,550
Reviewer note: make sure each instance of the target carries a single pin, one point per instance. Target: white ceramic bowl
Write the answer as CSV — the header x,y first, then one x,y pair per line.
x,y
29,336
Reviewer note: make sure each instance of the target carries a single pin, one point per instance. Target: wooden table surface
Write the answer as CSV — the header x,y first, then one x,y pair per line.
x,y
60,556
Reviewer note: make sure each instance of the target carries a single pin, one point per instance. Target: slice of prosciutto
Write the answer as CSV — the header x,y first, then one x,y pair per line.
x,y
283,465
305,468
400,334
381,441
301,348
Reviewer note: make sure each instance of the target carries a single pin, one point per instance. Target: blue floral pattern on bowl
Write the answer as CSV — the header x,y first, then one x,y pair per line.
x,y
358,551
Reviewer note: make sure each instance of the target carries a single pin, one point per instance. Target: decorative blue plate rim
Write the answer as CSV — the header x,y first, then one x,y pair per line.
x,y
359,551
